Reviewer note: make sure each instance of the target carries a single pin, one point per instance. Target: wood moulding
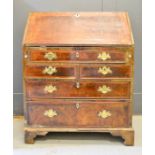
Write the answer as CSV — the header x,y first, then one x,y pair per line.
x,y
125,133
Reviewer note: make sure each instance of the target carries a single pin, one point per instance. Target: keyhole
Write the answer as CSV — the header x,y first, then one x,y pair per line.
x,y
77,15
77,85
77,54
77,105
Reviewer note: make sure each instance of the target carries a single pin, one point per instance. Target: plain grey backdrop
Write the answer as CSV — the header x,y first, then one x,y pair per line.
x,y
23,7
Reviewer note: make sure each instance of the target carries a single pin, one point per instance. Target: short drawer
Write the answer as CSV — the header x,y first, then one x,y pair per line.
x,y
52,54
104,55
80,54
106,71
51,70
62,113
70,89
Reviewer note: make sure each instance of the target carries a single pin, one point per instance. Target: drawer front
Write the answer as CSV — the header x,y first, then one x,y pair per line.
x,y
103,56
82,54
54,71
51,114
79,113
52,54
68,89
105,71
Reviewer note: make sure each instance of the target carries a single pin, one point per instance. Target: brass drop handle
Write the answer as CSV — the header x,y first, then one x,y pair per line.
x,y
104,89
50,113
50,56
104,56
104,114
49,70
105,70
50,89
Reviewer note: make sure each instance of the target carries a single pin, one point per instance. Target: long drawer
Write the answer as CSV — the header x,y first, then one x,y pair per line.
x,y
46,88
77,54
63,113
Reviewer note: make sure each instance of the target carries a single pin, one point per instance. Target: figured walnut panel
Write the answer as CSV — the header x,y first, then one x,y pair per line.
x,y
87,29
86,115
68,89
61,71
109,71
79,54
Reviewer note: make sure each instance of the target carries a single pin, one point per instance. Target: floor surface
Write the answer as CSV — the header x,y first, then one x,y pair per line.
x,y
77,143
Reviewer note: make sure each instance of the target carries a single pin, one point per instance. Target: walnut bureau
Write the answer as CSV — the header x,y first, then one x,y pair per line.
x,y
78,74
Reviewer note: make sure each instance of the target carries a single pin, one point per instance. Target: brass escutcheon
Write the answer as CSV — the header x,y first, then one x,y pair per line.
x,y
77,105
77,54
77,84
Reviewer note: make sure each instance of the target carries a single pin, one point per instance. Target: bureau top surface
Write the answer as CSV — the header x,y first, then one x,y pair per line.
x,y
78,29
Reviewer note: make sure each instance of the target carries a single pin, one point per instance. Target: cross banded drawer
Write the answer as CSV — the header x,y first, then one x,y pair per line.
x,y
50,70
80,54
105,71
71,89
60,113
